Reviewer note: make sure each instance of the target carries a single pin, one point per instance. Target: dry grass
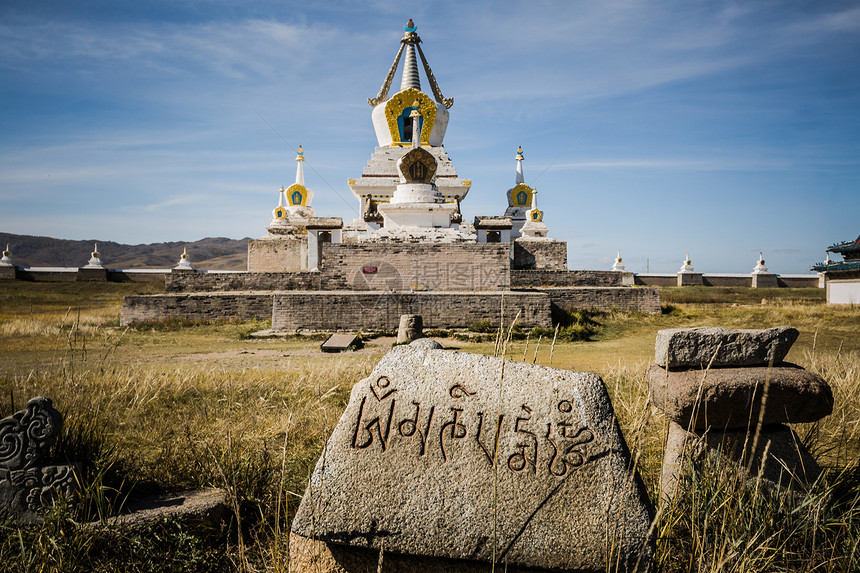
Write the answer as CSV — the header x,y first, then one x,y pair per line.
x,y
185,406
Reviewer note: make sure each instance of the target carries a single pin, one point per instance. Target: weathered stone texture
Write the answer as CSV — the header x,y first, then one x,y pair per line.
x,y
564,278
215,306
411,328
684,347
277,255
732,398
540,254
238,282
410,467
626,299
437,267
381,310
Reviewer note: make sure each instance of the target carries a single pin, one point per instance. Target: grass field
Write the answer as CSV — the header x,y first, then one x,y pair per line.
x,y
173,406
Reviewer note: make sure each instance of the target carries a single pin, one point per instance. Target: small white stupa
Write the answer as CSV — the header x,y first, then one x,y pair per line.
x,y
760,268
6,261
534,227
519,198
618,266
95,261
294,203
687,267
184,261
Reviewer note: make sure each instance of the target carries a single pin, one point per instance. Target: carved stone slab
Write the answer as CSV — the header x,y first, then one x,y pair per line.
x,y
434,458
26,483
685,347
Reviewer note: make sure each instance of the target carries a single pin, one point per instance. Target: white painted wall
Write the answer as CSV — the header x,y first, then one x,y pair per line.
x,y
847,292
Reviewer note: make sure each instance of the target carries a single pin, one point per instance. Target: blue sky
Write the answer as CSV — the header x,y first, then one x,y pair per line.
x,y
656,127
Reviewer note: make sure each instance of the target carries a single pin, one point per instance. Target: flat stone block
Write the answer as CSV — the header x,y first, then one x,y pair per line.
x,y
787,462
7,273
685,347
209,505
433,458
732,398
341,342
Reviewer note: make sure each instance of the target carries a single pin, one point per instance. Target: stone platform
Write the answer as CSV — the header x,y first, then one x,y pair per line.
x,y
350,310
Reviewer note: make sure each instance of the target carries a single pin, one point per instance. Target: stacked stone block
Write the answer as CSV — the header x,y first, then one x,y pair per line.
x,y
728,395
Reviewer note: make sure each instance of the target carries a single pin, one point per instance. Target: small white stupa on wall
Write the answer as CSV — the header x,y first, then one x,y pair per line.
x,y
534,227
95,259
294,203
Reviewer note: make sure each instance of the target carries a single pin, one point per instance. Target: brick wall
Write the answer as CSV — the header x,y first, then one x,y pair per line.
x,y
355,310
627,299
727,281
280,255
449,267
218,306
560,278
540,254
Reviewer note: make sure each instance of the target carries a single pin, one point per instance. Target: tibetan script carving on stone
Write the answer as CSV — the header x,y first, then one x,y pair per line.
x,y
435,457
27,485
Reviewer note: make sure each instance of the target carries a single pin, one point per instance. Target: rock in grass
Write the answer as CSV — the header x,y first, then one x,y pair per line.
x,y
410,470
732,398
684,347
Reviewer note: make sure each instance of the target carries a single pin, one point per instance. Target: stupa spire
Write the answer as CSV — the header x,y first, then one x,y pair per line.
x,y
410,79
300,173
520,158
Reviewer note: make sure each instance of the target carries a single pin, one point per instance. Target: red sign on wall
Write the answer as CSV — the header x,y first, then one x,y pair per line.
x,y
368,270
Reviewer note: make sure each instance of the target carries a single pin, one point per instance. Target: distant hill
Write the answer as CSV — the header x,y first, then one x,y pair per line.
x,y
214,253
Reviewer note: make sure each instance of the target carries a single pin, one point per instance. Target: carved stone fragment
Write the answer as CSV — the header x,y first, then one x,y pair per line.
x,y
442,456
698,347
27,485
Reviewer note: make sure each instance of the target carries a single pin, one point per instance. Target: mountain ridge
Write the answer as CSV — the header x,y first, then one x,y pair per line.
x,y
210,253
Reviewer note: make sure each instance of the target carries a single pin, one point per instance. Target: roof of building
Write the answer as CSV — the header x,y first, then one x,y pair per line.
x,y
852,247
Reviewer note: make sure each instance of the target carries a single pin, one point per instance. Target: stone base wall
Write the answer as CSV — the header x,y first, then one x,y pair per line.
x,y
540,254
726,281
656,280
92,275
436,267
625,299
564,278
277,255
218,306
381,310
7,273
811,281
231,282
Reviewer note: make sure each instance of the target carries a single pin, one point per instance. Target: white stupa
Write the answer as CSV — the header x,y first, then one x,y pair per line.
x,y
519,198
95,262
420,205
618,266
534,228
294,203
687,267
6,261
184,261
760,268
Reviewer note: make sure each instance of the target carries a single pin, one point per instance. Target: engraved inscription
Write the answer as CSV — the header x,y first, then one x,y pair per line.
x,y
460,391
523,443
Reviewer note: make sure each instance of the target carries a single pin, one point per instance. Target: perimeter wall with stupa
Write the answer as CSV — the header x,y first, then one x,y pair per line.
x,y
409,252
